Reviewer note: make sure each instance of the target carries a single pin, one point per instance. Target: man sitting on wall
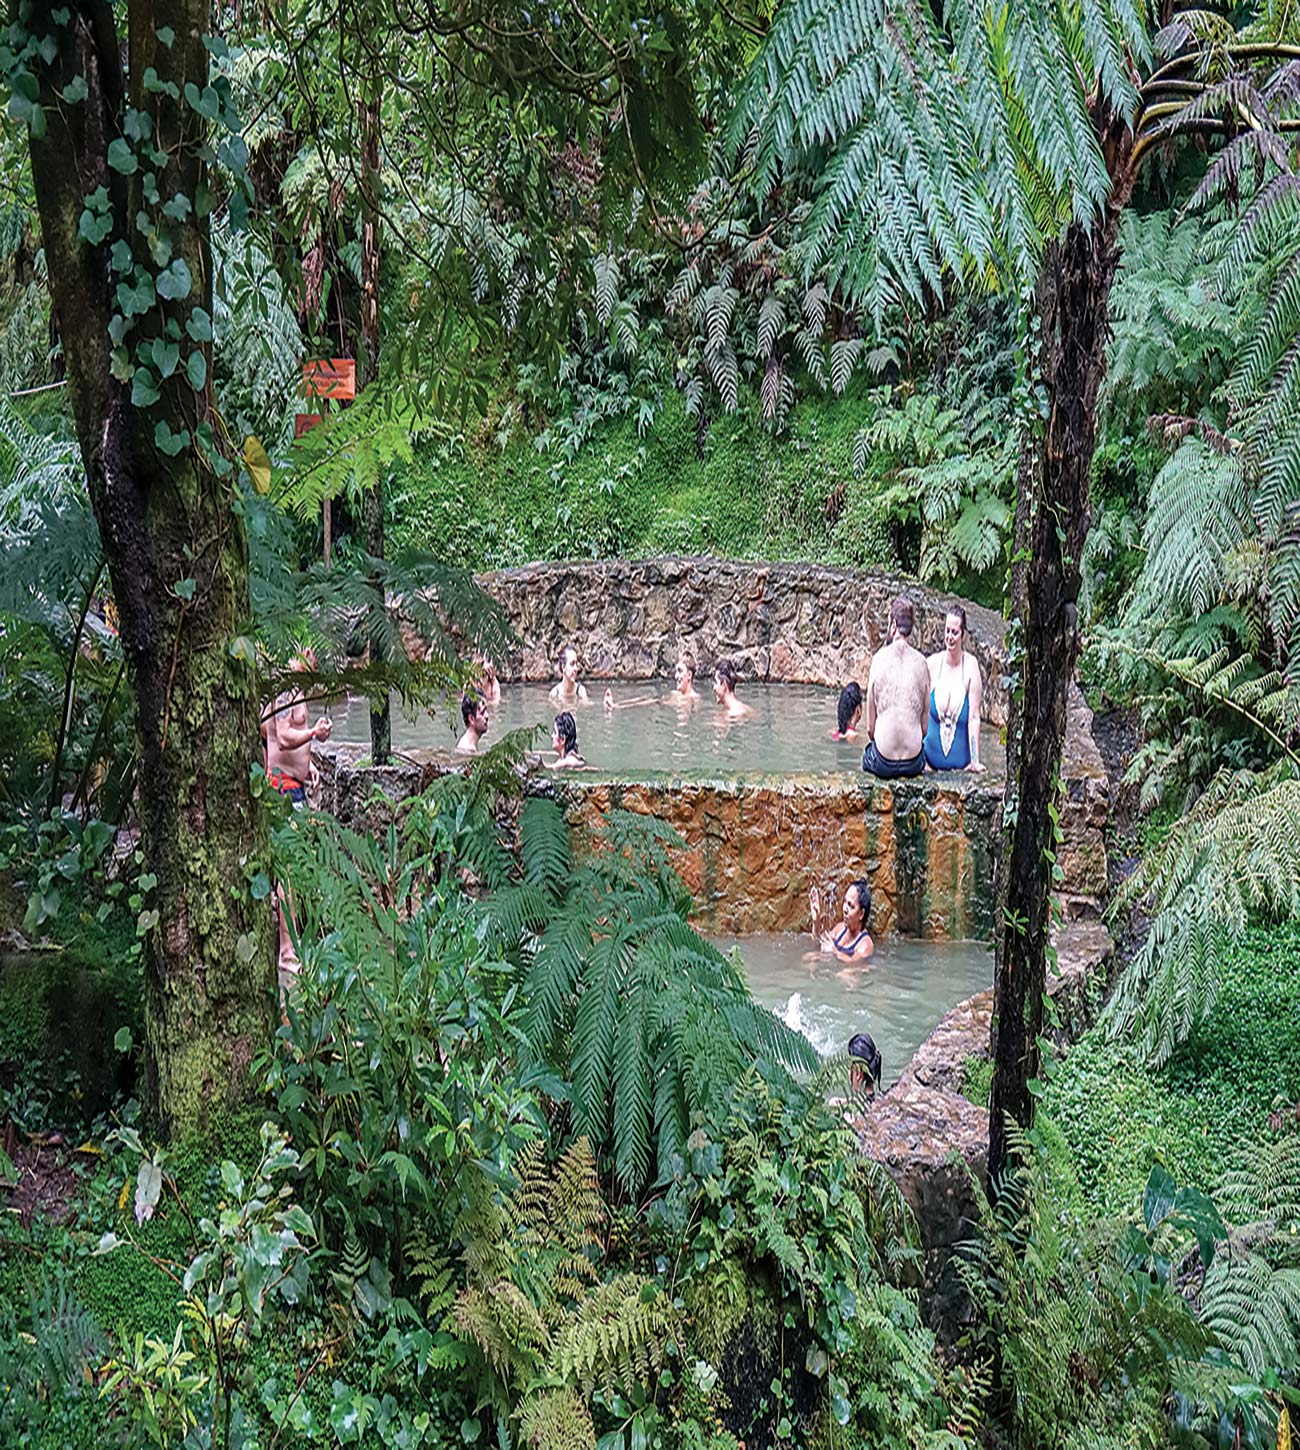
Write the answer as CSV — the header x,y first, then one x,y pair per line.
x,y
898,697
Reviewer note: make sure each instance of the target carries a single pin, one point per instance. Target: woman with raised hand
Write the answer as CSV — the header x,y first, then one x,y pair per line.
x,y
849,940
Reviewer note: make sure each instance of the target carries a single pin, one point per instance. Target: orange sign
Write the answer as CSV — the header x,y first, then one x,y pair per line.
x,y
330,378
304,421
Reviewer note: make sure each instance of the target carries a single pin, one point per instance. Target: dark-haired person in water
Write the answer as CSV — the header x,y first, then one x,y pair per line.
x,y
489,687
952,738
474,713
569,691
725,679
564,741
865,1065
849,940
847,713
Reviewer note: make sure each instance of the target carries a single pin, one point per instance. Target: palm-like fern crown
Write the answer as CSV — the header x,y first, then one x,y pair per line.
x,y
958,143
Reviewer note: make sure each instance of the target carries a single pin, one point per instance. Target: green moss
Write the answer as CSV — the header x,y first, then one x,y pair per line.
x,y
734,491
1204,1107
977,1080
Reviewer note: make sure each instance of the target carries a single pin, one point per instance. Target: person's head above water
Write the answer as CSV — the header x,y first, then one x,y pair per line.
x,y
565,735
473,711
954,628
902,616
849,709
857,899
684,671
862,1049
724,678
570,665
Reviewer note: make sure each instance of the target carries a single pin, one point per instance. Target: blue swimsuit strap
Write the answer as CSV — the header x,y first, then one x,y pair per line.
x,y
840,939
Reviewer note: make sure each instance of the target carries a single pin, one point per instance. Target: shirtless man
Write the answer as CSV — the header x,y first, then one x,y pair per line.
x,y
724,690
289,768
474,713
288,737
569,691
489,687
898,699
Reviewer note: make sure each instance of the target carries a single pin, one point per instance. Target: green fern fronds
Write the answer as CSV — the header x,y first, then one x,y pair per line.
x,y
1253,1310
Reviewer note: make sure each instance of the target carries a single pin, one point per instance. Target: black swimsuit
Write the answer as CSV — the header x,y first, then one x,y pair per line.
x,y
836,942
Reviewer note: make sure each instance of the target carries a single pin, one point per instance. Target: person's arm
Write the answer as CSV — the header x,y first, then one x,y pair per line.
x,y
870,711
973,719
583,697
291,736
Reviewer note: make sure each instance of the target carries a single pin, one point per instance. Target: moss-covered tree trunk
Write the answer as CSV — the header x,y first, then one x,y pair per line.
x,y
1051,526
381,729
172,533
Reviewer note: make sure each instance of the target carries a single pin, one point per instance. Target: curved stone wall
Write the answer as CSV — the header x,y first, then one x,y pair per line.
x,y
788,622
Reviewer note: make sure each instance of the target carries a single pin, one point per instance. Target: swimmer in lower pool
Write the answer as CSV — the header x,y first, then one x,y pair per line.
x,y
849,941
865,1065
564,741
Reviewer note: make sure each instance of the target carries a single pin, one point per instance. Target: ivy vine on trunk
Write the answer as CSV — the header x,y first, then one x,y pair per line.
x,y
122,164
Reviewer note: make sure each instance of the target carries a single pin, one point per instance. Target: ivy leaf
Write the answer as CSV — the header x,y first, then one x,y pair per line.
x,y
166,35
137,124
144,391
166,355
206,102
199,325
49,49
174,282
137,299
120,365
168,442
178,208
122,1040
76,90
121,157
94,229
184,589
197,367
121,256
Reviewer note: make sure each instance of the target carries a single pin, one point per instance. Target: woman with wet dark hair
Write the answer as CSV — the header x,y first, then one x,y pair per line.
x,y
564,741
848,712
849,941
865,1065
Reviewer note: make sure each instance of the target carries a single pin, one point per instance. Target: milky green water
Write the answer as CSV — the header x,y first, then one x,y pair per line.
x,y
787,732
907,988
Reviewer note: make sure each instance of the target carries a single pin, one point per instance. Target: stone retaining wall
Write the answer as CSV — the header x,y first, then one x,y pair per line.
x,y
800,623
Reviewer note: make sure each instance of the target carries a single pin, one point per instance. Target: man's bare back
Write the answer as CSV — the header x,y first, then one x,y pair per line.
x,y
898,693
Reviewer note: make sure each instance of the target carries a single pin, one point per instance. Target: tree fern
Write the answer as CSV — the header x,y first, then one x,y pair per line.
x,y
1253,1310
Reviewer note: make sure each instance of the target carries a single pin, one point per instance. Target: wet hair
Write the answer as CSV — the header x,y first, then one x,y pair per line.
x,y
902,615
863,1049
687,660
726,672
567,729
470,704
864,899
569,648
960,613
850,700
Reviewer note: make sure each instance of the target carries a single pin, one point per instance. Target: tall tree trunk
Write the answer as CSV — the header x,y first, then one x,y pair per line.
x,y
368,370
1051,525
174,542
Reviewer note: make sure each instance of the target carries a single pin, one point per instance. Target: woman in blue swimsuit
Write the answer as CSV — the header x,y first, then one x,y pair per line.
x,y
952,737
849,941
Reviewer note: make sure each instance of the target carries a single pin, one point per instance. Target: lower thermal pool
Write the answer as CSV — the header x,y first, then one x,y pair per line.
x,y
787,733
899,999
